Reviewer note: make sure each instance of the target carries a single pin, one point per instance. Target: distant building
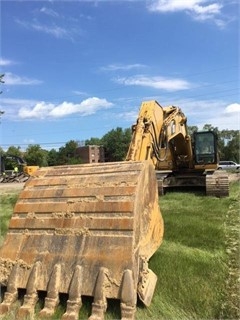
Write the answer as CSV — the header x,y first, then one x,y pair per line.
x,y
91,154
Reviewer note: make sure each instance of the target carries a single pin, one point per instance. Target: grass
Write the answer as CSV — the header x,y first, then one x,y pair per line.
x,y
190,262
7,202
197,264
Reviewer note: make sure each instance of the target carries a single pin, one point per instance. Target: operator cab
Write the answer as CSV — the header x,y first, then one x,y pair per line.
x,y
205,147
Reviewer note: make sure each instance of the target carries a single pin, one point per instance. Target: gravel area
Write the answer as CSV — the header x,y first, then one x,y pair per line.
x,y
10,187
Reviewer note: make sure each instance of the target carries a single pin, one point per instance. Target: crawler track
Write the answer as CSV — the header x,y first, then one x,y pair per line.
x,y
217,184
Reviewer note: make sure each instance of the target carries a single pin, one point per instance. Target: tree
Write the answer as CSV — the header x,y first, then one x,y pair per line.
x,y
209,127
116,143
36,156
192,129
14,151
231,145
93,142
53,157
67,154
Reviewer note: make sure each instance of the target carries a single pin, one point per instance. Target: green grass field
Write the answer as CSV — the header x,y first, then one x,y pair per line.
x,y
197,264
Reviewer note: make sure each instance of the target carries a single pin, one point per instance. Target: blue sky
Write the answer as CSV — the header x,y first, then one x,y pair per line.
x,y
78,69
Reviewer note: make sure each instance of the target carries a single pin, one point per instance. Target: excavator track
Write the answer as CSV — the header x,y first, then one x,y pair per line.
x,y
16,178
217,184
84,230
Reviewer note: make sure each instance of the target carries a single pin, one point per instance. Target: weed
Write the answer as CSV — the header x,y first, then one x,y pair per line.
x,y
197,264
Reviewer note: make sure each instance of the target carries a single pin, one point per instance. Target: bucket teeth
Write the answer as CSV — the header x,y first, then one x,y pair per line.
x,y
52,299
99,305
128,296
11,294
31,296
74,301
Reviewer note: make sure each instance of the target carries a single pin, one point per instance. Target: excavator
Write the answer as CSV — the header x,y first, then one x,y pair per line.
x,y
90,229
160,136
9,176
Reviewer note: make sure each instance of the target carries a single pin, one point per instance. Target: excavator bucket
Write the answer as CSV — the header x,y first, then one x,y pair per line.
x,y
83,230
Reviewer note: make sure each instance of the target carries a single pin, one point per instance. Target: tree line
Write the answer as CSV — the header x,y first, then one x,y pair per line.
x,y
115,143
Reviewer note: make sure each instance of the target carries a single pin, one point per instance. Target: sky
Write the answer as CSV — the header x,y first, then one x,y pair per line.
x,y
74,70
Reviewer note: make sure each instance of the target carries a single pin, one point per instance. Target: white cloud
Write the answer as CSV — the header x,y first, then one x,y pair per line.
x,y
80,93
39,111
12,79
229,123
54,30
229,118
5,62
44,110
49,12
11,106
12,103
199,9
215,112
181,5
155,82
115,67
232,108
129,116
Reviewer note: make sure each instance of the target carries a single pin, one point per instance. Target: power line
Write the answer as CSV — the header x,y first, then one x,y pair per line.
x,y
28,144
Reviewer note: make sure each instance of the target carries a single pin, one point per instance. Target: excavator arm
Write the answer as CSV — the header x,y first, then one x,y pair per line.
x,y
160,136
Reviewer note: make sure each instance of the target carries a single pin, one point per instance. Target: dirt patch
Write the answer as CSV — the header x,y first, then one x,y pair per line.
x,y
11,187
234,176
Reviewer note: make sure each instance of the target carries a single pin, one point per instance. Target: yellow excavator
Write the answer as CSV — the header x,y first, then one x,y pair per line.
x,y
12,176
160,136
90,230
